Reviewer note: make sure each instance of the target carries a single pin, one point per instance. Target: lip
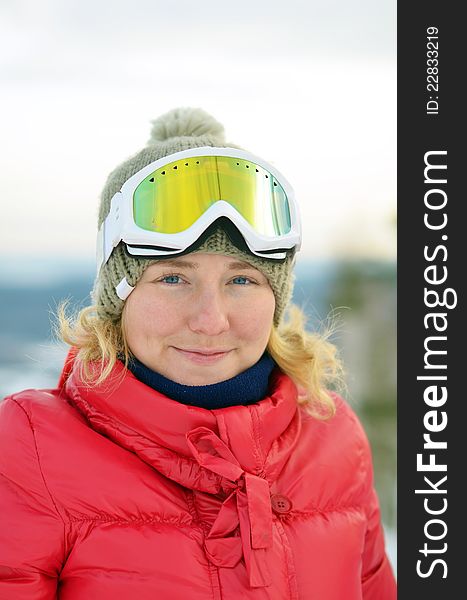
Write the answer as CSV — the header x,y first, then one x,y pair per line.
x,y
202,356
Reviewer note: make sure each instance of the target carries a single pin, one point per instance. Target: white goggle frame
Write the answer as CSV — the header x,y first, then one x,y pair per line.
x,y
119,225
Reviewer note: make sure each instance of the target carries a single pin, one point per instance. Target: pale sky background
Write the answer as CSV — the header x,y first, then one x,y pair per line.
x,y
309,86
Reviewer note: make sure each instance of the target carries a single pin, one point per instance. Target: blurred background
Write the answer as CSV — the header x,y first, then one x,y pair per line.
x,y
309,86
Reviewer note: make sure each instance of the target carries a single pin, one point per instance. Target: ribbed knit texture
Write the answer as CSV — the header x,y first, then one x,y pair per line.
x,y
179,129
246,388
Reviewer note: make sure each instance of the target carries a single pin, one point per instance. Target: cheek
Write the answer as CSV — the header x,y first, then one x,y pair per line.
x,y
255,322
148,319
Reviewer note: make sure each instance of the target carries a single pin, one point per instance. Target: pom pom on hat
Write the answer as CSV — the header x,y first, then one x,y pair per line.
x,y
181,122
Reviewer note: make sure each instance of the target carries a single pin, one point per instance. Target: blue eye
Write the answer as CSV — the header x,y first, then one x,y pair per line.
x,y
241,280
171,279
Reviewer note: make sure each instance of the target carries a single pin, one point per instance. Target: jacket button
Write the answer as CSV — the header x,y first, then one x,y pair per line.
x,y
280,504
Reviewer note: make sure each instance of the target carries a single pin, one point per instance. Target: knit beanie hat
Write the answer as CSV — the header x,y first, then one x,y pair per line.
x,y
179,129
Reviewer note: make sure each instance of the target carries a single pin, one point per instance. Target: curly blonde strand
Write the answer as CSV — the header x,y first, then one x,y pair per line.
x,y
99,341
310,360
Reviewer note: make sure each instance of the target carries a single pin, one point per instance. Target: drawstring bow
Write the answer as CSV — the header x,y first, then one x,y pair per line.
x,y
247,507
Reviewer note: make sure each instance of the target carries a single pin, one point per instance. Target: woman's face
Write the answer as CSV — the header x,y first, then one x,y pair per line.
x,y
199,319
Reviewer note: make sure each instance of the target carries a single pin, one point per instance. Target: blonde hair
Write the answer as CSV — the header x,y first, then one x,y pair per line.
x,y
309,359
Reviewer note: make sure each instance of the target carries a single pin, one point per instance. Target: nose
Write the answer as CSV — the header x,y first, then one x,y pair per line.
x,y
209,313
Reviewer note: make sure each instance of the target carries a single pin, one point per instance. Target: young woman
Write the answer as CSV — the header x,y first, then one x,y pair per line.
x,y
192,448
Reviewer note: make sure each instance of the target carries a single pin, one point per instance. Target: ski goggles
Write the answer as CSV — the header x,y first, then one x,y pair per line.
x,y
164,208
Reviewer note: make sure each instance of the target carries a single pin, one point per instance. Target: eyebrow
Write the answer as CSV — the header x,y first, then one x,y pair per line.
x,y
188,264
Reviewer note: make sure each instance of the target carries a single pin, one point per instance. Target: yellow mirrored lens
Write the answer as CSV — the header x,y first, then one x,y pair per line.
x,y
175,196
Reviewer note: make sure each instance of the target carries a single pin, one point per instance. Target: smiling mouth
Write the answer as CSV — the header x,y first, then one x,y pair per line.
x,y
202,356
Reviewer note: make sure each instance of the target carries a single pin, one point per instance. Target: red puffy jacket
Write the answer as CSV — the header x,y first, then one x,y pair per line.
x,y
118,492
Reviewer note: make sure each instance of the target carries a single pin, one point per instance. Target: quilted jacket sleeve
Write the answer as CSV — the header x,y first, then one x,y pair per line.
x,y
31,530
378,581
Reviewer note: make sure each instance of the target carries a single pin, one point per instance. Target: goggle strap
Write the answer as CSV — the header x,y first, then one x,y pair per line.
x,y
124,289
109,234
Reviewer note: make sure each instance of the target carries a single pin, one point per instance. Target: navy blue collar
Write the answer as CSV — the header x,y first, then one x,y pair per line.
x,y
246,388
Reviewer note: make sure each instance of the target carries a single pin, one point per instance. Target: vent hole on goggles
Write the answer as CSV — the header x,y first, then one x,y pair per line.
x,y
163,173
175,167
152,180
